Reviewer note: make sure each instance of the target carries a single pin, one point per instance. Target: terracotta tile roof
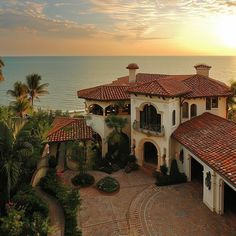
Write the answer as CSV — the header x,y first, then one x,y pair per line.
x,y
161,87
66,129
202,86
105,93
189,86
213,140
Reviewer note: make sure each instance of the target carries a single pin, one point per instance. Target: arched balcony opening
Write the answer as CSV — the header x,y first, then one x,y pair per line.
x,y
112,110
185,110
193,110
150,119
95,109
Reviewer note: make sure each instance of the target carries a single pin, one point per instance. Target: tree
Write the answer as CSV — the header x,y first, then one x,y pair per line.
x,y
231,101
35,89
20,107
13,151
1,65
19,91
116,123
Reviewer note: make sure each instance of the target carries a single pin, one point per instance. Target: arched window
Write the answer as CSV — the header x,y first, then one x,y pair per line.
x,y
173,117
185,110
96,110
150,119
193,110
112,110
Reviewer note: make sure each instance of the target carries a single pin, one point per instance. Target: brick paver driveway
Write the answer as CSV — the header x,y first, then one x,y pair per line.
x,y
141,208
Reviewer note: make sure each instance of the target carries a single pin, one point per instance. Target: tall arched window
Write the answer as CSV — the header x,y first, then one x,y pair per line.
x,y
173,117
193,110
185,110
150,119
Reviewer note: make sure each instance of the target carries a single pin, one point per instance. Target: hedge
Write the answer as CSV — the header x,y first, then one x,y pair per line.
x,y
68,199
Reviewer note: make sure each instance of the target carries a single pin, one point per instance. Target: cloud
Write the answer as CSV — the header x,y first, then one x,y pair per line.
x,y
30,17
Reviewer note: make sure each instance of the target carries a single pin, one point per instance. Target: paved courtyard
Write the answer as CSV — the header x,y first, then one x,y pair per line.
x,y
141,208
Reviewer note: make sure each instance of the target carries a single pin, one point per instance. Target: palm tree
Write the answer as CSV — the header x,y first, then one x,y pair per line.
x,y
20,107
12,153
35,89
116,123
19,91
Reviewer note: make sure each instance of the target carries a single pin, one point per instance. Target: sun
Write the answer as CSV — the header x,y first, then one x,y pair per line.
x,y
226,30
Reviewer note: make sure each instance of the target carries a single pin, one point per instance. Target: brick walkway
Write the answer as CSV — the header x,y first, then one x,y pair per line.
x,y
141,208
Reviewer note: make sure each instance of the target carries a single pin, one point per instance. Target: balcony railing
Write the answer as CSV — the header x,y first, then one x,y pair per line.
x,y
149,128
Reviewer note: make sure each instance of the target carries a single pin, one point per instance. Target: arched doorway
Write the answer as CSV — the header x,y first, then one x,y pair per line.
x,y
150,155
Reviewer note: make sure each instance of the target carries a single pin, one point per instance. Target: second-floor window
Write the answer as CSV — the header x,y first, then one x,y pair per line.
x,y
211,103
173,117
185,110
150,119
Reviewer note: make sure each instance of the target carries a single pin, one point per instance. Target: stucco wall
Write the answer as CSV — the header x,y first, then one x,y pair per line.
x,y
162,143
38,174
97,123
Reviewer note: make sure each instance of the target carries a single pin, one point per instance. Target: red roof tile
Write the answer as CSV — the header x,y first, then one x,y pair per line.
x,y
105,93
161,87
202,86
189,86
66,129
213,140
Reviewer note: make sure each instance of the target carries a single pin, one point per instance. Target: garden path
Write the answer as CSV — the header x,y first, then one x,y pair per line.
x,y
56,215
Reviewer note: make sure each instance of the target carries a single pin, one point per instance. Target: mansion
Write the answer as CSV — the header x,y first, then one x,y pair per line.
x,y
172,116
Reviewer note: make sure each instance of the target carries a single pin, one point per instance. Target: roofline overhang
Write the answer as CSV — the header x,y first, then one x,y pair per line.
x,y
213,168
105,100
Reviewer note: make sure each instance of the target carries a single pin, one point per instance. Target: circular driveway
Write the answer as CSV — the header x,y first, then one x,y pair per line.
x,y
142,208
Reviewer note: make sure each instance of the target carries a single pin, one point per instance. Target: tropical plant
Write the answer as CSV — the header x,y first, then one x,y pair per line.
x,y
20,107
13,152
35,89
108,185
19,91
231,102
116,123
12,224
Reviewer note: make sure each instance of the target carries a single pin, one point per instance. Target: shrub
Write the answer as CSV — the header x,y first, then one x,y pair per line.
x,y
115,167
83,180
108,185
175,176
52,161
164,169
68,199
31,202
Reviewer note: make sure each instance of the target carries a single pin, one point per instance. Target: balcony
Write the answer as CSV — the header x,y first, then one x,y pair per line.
x,y
149,129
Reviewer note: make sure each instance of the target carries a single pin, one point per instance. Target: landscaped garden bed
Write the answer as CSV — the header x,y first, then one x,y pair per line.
x,y
83,180
108,185
68,199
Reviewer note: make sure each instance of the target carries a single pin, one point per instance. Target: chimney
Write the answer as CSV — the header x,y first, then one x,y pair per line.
x,y
202,69
132,72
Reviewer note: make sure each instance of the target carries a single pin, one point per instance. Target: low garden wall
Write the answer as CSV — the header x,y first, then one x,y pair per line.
x,y
38,174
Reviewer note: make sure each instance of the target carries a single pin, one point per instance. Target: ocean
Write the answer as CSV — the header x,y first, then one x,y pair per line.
x,y
67,75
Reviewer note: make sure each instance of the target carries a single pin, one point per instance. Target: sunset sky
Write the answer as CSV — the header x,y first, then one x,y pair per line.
x,y
117,27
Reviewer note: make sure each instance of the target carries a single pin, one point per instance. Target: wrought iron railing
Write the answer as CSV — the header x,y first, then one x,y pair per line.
x,y
154,129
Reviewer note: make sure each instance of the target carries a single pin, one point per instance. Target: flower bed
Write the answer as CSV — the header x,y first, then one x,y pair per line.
x,y
83,180
108,185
